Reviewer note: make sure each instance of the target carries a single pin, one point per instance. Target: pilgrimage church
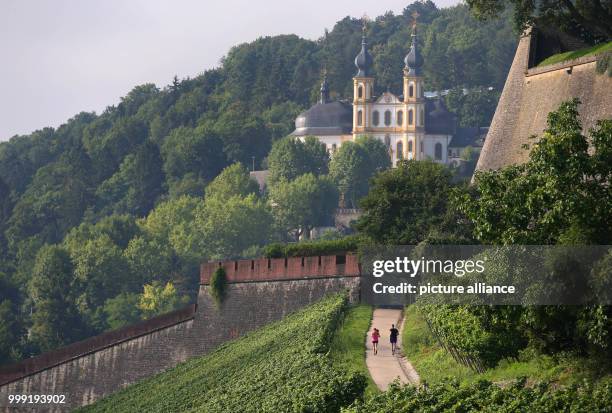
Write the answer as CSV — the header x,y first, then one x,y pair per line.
x,y
411,125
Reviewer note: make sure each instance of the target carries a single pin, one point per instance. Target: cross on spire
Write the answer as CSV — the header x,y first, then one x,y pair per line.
x,y
364,23
415,16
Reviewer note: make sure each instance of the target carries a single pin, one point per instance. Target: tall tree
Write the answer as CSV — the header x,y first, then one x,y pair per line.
x,y
306,202
55,319
233,180
354,164
406,203
291,157
590,19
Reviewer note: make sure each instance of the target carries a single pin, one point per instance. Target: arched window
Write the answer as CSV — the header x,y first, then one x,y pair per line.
x,y
360,92
421,122
387,141
410,117
438,152
400,150
359,118
334,147
400,118
411,90
375,118
387,117
422,147
409,146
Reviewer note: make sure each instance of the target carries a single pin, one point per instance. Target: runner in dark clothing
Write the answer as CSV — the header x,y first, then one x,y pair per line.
x,y
393,338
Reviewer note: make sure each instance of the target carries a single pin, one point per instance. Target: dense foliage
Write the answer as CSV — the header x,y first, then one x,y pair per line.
x,y
485,396
284,366
120,193
313,248
560,195
589,19
409,204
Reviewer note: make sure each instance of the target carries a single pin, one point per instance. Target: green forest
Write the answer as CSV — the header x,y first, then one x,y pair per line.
x,y
104,220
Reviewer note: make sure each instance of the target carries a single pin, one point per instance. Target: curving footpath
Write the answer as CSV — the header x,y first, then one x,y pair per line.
x,y
385,367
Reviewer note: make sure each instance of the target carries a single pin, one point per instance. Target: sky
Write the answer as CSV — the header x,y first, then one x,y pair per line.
x,y
61,57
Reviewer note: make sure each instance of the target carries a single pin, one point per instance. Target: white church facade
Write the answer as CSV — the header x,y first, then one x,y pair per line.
x,y
410,125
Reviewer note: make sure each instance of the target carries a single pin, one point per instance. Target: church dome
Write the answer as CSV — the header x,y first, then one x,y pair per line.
x,y
438,120
364,61
324,119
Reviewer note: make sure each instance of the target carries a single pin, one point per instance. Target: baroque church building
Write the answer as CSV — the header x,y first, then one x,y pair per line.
x,y
411,125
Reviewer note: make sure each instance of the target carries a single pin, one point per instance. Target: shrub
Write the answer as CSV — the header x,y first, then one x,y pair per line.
x,y
218,285
313,248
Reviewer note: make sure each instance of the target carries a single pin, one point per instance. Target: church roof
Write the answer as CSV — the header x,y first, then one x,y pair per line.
x,y
472,136
334,118
438,120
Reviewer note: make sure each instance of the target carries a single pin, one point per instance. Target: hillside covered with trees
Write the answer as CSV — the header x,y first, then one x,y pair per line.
x,y
104,220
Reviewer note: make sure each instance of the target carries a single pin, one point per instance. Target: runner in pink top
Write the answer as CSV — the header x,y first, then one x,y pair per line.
x,y
375,337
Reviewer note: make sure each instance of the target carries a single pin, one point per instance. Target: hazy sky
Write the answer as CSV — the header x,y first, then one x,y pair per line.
x,y
60,57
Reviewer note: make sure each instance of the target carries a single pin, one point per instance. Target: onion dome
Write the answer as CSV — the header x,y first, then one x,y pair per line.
x,y
363,61
413,60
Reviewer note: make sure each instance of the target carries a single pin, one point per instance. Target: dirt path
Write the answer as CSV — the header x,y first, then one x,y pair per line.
x,y
385,367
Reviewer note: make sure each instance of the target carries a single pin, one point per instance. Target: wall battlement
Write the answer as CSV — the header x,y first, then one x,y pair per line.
x,y
280,269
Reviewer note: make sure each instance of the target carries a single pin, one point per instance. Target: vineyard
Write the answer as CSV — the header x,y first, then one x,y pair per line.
x,y
484,396
281,367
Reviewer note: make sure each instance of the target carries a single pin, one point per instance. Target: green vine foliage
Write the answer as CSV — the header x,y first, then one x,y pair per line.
x,y
218,286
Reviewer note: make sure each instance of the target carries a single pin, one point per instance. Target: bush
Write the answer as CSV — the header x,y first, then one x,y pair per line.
x,y
313,248
218,285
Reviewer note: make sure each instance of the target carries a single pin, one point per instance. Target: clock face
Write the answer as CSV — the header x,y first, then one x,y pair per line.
x,y
387,99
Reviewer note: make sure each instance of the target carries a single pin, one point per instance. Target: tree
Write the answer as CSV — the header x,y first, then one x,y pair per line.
x,y
196,151
10,327
290,157
158,299
122,310
233,180
354,164
474,108
55,320
589,19
101,272
406,203
304,203
561,194
136,186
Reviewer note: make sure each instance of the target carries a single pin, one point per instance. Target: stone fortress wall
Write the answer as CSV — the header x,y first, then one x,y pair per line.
x,y
258,292
531,92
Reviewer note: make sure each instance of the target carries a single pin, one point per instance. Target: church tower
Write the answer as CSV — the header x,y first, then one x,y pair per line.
x,y
363,87
414,98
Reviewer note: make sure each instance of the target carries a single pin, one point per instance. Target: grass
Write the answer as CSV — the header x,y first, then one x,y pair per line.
x,y
562,57
285,366
434,364
347,350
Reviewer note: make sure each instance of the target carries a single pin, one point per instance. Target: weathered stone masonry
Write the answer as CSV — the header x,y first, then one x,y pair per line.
x,y
531,92
259,292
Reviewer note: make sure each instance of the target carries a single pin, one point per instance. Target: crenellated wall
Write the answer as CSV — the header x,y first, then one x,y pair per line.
x,y
259,292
